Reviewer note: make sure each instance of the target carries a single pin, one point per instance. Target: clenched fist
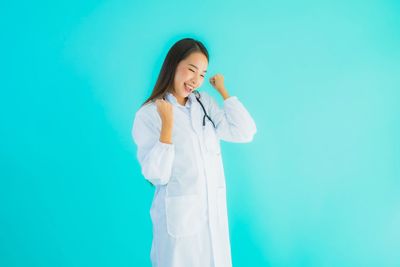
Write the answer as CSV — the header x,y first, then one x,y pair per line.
x,y
217,81
164,109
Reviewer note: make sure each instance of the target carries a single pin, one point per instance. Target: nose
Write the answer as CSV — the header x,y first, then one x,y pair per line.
x,y
194,80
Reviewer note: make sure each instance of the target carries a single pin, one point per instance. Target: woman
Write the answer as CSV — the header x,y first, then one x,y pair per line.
x,y
177,132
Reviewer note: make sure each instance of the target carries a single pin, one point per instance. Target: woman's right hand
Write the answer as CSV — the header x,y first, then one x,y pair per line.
x,y
164,109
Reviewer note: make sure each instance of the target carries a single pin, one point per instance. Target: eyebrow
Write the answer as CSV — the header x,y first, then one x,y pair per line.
x,y
196,67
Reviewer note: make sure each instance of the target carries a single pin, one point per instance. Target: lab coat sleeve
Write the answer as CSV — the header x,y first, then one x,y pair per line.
x,y
155,158
233,122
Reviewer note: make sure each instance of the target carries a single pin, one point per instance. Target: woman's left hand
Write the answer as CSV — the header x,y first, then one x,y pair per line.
x,y
217,81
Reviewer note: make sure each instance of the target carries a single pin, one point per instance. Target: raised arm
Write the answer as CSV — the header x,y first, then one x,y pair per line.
x,y
233,122
153,138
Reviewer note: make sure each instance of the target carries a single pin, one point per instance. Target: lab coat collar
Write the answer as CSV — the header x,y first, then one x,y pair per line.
x,y
172,99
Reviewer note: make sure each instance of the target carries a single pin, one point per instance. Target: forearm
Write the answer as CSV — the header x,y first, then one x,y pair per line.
x,y
166,132
224,93
237,125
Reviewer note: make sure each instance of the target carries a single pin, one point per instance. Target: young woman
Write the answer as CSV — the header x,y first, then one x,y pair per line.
x,y
177,132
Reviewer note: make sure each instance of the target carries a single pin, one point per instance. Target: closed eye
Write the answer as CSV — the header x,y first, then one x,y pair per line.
x,y
194,71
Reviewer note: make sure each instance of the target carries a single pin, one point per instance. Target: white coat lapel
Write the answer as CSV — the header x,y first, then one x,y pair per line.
x,y
195,115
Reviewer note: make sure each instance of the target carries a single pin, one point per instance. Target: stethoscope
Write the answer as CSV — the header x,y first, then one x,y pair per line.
x,y
197,95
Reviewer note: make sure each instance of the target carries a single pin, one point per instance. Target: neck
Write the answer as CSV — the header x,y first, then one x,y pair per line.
x,y
181,100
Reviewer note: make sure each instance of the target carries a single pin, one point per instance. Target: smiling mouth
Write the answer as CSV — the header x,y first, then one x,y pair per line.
x,y
188,88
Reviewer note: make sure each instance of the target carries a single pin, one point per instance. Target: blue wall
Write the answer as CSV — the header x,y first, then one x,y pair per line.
x,y
319,186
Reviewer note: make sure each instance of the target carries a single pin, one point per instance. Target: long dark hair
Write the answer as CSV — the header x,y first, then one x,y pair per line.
x,y
178,52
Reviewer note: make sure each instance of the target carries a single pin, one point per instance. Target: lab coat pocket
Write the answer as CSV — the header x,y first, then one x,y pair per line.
x,y
211,140
182,215
222,207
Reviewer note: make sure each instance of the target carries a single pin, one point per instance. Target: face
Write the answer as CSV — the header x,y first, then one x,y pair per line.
x,y
189,75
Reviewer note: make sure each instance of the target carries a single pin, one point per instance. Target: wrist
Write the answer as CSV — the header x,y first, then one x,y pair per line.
x,y
166,133
225,95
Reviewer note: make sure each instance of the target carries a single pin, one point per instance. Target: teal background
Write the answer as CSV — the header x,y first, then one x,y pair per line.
x,y
318,186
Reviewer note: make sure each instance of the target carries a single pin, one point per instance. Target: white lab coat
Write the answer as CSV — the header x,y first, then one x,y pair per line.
x,y
189,211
